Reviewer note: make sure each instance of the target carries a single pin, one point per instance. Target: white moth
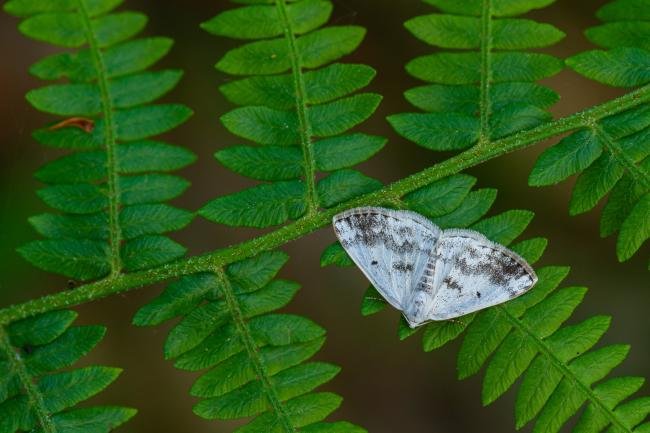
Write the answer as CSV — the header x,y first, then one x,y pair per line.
x,y
427,273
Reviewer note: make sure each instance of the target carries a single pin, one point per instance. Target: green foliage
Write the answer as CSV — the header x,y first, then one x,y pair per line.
x,y
525,338
625,34
256,359
109,189
35,395
296,107
486,91
613,155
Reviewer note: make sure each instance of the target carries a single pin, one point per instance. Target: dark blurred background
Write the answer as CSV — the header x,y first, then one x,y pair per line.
x,y
389,386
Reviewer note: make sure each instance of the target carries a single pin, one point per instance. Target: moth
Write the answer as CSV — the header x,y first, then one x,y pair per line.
x,y
428,273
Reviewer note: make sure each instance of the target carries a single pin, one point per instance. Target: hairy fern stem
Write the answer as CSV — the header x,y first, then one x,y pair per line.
x,y
307,224
253,354
306,143
35,397
110,144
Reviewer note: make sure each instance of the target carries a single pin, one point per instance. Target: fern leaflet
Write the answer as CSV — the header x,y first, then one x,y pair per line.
x,y
34,395
525,337
109,190
256,358
484,94
297,119
612,155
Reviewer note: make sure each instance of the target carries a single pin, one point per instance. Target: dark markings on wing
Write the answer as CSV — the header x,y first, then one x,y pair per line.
x,y
391,247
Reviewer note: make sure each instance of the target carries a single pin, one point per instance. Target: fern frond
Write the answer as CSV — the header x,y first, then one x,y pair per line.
x,y
297,110
486,91
110,188
612,155
525,337
35,395
256,359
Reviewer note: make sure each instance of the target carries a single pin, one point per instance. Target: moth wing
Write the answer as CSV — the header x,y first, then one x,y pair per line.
x,y
473,273
390,247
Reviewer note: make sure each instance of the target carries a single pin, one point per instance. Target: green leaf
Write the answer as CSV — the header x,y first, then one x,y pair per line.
x,y
622,10
256,272
114,28
621,34
60,28
516,117
65,350
251,400
90,226
531,249
101,419
335,255
132,158
509,361
505,227
441,197
66,99
68,29
150,188
41,329
256,22
178,298
339,116
271,57
594,183
464,68
543,376
150,251
146,121
260,206
263,125
147,155
277,91
499,7
346,150
195,328
620,67
635,230
620,203
142,88
80,258
571,155
238,370
122,59
475,205
437,334
263,163
342,185
450,31
437,131
64,390
627,122
271,329
465,99
372,302
74,168
301,410
69,138
25,8
79,198
150,219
